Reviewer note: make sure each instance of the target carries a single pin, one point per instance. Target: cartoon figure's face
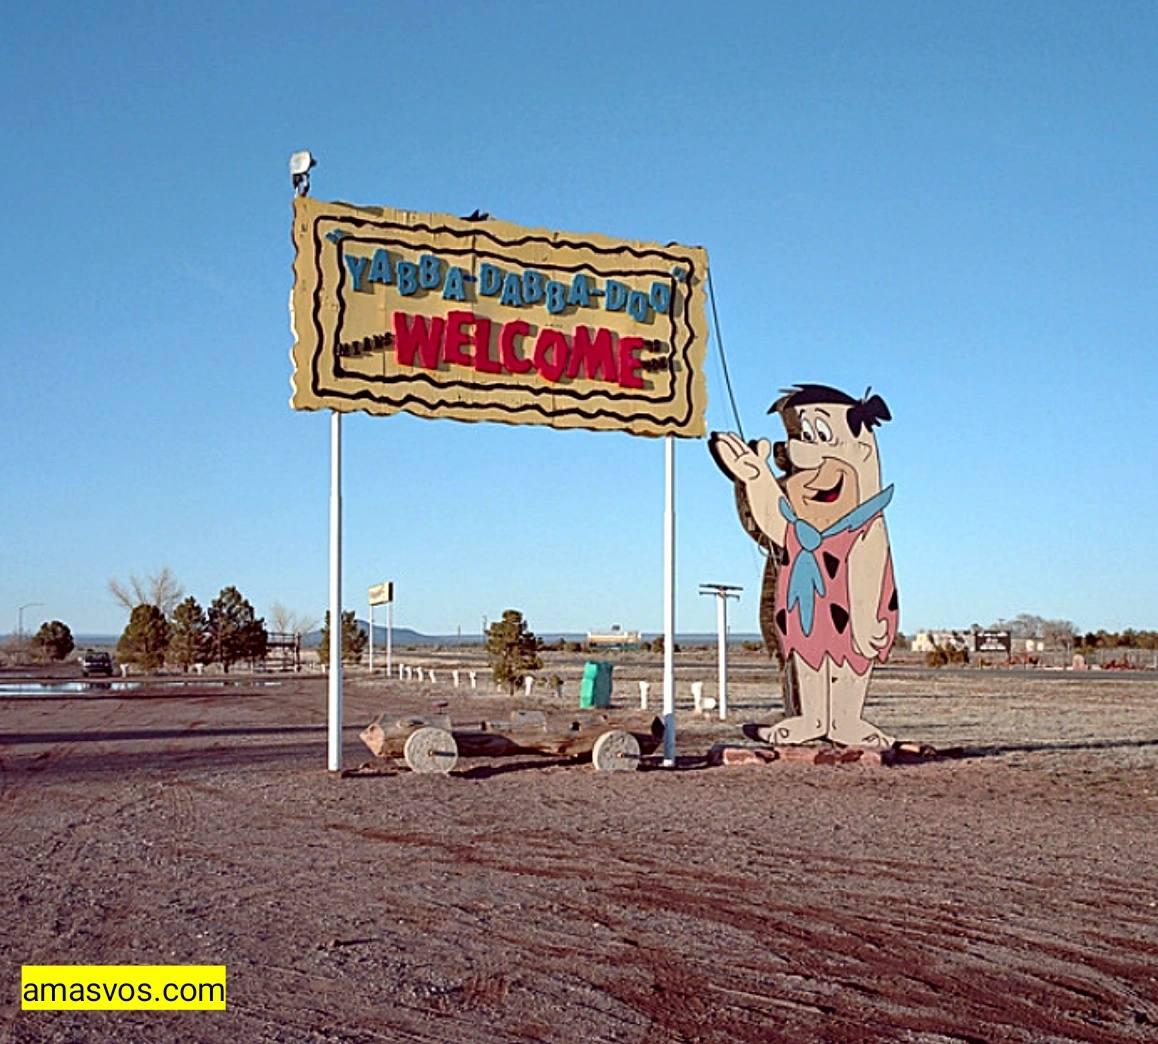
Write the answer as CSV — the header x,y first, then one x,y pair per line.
x,y
836,470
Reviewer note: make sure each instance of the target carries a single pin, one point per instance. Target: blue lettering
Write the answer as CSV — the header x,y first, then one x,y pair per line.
x,y
532,286
661,297
490,280
454,290
356,265
380,268
429,272
512,287
616,295
556,296
580,292
637,305
407,273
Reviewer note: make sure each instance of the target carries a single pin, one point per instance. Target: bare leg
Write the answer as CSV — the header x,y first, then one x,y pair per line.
x,y
846,724
812,696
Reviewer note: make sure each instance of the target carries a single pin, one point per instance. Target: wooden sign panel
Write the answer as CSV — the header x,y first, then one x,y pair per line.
x,y
486,321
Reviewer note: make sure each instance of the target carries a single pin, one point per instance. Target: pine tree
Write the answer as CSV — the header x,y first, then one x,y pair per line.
x,y
189,635
145,638
235,633
53,641
512,649
353,638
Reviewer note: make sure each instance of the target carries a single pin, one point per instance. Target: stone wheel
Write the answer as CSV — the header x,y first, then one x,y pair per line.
x,y
430,749
616,751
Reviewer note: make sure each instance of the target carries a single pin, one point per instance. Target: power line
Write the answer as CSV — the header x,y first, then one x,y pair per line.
x,y
723,356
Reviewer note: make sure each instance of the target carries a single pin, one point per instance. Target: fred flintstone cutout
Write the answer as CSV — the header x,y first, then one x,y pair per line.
x,y
834,607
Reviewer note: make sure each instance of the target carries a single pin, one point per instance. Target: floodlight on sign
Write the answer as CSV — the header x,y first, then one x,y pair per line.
x,y
300,165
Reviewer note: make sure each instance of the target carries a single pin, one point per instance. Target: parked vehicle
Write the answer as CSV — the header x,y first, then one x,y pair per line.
x,y
96,663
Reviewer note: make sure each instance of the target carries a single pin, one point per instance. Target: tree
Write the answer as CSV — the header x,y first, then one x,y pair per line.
x,y
234,631
286,621
145,638
162,589
1023,625
512,649
53,641
189,635
1058,634
354,639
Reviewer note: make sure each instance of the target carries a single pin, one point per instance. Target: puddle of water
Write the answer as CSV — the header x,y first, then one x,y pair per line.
x,y
86,688
63,688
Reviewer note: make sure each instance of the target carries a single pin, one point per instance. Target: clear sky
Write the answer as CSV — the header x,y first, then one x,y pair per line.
x,y
954,203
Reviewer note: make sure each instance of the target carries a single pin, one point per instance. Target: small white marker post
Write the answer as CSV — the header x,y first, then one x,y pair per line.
x,y
669,720
371,639
722,592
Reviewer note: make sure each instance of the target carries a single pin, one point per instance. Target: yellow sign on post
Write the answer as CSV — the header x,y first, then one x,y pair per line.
x,y
381,594
395,311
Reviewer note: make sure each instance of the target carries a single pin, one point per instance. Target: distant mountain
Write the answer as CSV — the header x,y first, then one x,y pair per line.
x,y
401,636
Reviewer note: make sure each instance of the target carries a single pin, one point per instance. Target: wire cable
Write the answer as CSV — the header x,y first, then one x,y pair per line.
x,y
723,356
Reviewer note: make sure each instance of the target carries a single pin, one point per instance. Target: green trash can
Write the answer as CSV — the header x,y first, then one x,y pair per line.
x,y
595,688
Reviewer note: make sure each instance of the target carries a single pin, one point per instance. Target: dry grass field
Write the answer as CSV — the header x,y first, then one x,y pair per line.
x,y
1009,894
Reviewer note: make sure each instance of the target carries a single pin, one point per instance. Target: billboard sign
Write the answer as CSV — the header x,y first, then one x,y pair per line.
x,y
994,642
382,593
396,311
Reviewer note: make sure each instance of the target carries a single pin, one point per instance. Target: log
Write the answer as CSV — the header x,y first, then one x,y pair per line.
x,y
525,732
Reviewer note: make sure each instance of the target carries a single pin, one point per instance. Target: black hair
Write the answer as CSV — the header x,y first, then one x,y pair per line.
x,y
865,412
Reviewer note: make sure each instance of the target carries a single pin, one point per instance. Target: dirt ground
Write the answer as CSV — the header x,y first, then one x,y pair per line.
x,y
1007,895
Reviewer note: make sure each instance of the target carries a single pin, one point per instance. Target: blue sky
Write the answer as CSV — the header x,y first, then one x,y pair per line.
x,y
953,203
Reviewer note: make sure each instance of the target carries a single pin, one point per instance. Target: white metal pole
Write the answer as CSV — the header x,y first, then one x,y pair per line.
x,y
371,639
389,635
334,733
669,722
722,627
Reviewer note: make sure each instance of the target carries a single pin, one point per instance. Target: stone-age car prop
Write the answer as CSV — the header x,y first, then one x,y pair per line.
x,y
433,743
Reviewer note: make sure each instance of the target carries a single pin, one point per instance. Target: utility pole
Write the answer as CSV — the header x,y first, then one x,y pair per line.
x,y
722,592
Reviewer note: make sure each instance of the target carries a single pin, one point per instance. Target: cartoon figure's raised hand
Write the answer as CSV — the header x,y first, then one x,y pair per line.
x,y
748,465
736,458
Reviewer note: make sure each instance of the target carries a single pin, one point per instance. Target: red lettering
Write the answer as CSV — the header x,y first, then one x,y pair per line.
x,y
551,353
456,337
596,357
484,362
417,337
512,361
630,364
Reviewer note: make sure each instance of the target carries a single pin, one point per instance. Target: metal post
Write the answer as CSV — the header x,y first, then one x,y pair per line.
x,y
722,648
722,592
669,721
20,618
334,732
371,639
389,634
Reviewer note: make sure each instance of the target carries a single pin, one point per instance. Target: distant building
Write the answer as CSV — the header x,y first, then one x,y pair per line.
x,y
927,641
616,638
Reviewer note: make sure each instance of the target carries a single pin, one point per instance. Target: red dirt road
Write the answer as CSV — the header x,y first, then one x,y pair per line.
x,y
1010,896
